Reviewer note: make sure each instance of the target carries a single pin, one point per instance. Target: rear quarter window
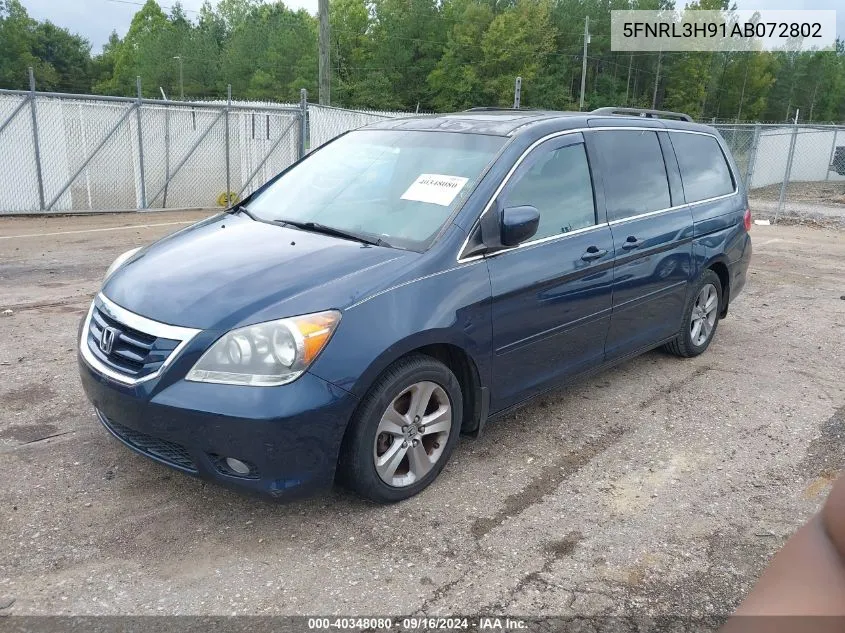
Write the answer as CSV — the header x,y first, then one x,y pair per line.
x,y
704,168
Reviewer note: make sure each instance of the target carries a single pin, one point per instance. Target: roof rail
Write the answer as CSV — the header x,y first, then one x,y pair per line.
x,y
494,109
649,114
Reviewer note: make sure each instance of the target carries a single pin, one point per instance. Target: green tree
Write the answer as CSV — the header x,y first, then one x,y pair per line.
x,y
271,54
519,42
102,65
789,76
205,43
234,13
824,88
145,52
743,87
456,81
18,48
68,55
433,54
407,37
352,80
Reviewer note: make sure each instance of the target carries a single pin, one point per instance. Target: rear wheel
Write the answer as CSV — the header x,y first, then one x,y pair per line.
x,y
404,430
701,317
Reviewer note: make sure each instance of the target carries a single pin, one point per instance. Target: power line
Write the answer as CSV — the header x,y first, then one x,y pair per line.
x,y
610,63
442,43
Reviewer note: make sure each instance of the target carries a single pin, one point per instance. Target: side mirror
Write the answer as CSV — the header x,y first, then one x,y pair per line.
x,y
518,224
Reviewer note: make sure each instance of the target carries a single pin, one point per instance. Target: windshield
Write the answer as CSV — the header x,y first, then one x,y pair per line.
x,y
400,186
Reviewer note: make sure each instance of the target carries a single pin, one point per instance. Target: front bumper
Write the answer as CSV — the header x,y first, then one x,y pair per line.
x,y
290,435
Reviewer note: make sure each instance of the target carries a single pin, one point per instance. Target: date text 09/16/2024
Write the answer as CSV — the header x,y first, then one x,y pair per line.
x,y
420,623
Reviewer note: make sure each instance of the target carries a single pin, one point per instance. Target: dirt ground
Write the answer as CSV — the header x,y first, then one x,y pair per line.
x,y
813,204
821,192
660,487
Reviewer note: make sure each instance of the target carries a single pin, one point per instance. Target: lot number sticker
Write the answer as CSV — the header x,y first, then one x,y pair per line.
x,y
435,189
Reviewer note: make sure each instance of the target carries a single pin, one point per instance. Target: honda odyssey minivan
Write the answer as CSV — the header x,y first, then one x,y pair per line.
x,y
407,282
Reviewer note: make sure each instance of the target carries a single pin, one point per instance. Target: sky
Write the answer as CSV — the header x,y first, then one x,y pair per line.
x,y
95,19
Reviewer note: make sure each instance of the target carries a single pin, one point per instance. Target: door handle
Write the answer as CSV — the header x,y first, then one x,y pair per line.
x,y
593,252
631,242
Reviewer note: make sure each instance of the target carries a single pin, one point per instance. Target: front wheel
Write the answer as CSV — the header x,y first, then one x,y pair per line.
x,y
404,430
701,317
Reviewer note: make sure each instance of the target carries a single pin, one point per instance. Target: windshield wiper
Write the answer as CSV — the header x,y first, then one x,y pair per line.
x,y
315,227
243,209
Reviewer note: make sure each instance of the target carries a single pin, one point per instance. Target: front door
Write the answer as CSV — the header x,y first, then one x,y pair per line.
x,y
551,295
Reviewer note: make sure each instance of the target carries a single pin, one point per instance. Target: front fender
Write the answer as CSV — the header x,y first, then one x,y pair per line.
x,y
447,307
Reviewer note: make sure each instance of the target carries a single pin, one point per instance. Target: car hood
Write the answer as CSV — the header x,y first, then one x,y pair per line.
x,y
230,270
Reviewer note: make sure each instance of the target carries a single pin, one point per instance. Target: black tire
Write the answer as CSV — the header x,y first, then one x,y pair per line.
x,y
683,345
356,467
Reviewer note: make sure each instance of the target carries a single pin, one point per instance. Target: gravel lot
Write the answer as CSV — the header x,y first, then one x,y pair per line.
x,y
662,486
818,192
811,203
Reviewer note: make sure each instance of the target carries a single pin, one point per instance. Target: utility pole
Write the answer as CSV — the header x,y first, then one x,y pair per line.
x,y
325,78
628,85
584,61
181,78
517,93
656,81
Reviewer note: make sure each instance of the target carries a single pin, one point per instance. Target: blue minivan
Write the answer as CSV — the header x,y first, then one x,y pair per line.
x,y
407,282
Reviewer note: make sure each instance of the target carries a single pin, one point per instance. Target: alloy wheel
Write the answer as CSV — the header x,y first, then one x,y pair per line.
x,y
412,434
704,313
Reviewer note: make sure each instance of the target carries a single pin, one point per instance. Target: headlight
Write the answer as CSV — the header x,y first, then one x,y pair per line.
x,y
266,354
117,263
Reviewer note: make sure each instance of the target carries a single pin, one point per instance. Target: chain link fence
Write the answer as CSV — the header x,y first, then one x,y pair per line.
x,y
791,171
327,122
62,153
82,153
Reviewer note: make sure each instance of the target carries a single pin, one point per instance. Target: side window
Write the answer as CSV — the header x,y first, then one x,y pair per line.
x,y
634,173
704,170
558,184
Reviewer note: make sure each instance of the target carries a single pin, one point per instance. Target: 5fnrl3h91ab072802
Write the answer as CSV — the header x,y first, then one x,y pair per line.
x,y
407,281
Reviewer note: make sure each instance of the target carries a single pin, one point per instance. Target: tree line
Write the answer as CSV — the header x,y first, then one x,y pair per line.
x,y
431,55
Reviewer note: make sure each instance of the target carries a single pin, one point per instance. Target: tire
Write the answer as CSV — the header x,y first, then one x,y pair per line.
x,y
686,345
381,429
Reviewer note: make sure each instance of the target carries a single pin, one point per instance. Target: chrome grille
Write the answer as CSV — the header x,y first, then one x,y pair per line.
x,y
127,347
132,353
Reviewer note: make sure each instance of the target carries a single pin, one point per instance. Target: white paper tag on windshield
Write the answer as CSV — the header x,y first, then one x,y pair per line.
x,y
435,189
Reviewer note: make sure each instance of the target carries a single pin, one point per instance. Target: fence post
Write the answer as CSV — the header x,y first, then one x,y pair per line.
x,y
303,119
788,170
229,200
166,153
140,145
752,157
832,152
33,110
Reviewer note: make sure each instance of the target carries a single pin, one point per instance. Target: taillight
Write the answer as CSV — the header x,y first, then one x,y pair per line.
x,y
747,219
